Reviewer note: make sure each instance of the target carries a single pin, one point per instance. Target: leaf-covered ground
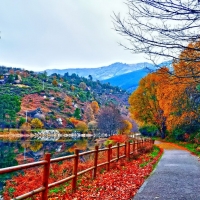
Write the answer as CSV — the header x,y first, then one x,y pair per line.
x,y
120,183
169,146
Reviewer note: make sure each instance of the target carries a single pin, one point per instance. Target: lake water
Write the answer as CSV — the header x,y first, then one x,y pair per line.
x,y
17,151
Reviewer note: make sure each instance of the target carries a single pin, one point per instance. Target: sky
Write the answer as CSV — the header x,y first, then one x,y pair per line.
x,y
59,34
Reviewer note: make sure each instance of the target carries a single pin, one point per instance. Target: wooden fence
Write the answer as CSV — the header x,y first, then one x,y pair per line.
x,y
136,146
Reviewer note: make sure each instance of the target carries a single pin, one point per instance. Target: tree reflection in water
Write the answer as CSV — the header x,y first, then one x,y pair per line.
x,y
25,150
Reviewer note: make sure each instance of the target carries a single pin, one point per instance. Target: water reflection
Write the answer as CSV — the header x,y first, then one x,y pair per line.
x,y
24,150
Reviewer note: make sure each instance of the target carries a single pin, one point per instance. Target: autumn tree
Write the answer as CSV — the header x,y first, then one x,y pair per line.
x,y
68,100
180,104
36,123
187,67
81,126
95,107
170,101
144,103
73,120
125,127
26,127
109,120
82,85
180,98
88,114
36,145
72,88
54,82
92,125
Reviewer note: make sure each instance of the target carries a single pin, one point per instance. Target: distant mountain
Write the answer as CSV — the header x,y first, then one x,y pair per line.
x,y
130,81
103,73
126,76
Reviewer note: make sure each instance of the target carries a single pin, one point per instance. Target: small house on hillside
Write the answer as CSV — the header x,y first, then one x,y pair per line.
x,y
3,78
2,81
6,75
36,114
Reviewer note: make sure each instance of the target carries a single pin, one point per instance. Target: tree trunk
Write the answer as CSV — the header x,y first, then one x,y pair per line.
x,y
163,130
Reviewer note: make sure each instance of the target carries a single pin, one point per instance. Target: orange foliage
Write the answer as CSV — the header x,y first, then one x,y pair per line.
x,y
88,114
126,127
74,121
81,126
95,107
144,103
188,67
68,100
31,102
172,100
26,127
54,82
118,138
178,97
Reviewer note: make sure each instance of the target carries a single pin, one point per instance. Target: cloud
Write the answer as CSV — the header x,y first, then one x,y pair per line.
x,y
41,34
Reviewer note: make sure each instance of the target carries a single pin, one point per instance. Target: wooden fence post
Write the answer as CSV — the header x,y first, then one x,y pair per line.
x,y
144,143
150,143
133,146
128,151
46,176
125,149
75,170
95,161
109,156
136,146
118,151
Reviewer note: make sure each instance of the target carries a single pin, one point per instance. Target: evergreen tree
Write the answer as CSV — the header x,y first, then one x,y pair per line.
x,y
77,113
9,107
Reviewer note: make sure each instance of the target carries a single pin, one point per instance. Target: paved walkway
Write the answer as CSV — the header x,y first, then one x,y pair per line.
x,y
176,177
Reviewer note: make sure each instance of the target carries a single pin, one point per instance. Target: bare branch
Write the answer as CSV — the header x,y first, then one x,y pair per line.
x,y
160,28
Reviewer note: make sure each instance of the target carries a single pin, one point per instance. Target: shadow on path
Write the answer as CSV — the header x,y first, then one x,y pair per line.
x,y
176,177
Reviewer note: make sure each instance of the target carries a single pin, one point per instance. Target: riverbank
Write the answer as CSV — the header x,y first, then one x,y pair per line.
x,y
18,135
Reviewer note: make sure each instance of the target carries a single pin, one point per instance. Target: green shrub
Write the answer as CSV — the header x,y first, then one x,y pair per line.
x,y
197,138
148,130
178,134
58,99
61,106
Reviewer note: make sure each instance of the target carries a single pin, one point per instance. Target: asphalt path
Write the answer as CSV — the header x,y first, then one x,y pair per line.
x,y
176,177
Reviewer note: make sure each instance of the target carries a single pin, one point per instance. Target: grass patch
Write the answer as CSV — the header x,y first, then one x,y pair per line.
x,y
156,150
143,164
190,146
60,189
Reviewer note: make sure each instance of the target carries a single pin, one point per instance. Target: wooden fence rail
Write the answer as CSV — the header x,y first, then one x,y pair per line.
x,y
136,146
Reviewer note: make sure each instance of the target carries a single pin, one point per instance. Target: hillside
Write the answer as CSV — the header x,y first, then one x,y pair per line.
x,y
103,73
59,97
